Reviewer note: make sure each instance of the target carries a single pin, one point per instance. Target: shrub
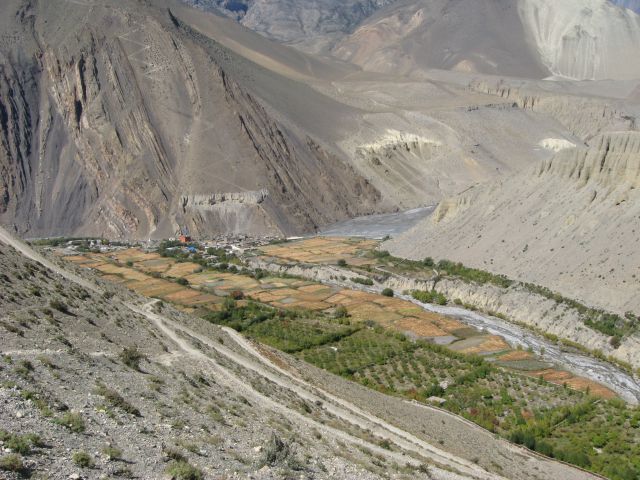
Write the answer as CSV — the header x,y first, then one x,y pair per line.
x,y
183,470
278,452
82,459
386,444
341,312
387,292
429,297
342,262
116,400
129,263
132,357
112,453
11,463
182,281
236,295
73,421
59,305
21,444
434,390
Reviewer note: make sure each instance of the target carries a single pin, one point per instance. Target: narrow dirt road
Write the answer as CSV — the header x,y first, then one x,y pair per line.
x,y
336,406
27,251
176,334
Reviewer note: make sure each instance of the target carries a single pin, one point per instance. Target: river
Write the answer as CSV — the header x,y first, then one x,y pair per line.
x,y
379,226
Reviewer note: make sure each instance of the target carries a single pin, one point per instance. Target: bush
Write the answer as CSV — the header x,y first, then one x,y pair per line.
x,y
182,281
73,421
59,305
116,400
341,312
21,444
342,262
11,463
237,294
112,453
434,390
429,297
278,452
183,470
387,292
132,357
82,459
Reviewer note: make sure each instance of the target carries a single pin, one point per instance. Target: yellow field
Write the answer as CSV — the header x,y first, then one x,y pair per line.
x,y
515,356
489,344
323,250
561,377
208,289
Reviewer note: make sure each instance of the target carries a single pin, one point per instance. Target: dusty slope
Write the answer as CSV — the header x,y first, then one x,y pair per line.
x,y
205,392
109,124
571,223
136,122
529,38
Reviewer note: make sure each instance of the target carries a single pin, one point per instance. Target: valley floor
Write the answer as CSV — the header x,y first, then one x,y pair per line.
x,y
184,395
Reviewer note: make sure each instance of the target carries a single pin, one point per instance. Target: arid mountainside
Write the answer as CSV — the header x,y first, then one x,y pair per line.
x,y
576,39
571,223
131,120
108,124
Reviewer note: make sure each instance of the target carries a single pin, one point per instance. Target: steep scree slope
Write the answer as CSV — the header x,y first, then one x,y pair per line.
x,y
106,124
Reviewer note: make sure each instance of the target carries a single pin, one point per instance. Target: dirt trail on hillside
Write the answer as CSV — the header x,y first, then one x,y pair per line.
x,y
338,407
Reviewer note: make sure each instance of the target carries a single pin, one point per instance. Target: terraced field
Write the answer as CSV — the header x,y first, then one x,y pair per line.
x,y
389,344
203,291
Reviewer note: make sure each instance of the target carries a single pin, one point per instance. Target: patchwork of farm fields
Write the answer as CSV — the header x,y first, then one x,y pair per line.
x,y
192,288
393,346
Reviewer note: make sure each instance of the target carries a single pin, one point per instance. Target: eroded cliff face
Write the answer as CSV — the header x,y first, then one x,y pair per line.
x,y
571,223
112,113
582,116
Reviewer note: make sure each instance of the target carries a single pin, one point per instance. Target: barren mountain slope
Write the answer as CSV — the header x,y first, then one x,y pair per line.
x,y
571,224
132,123
529,38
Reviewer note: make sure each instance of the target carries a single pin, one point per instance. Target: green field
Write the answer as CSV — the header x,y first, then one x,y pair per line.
x,y
596,434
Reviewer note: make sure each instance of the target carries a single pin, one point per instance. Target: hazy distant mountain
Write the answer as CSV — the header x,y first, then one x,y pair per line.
x,y
578,39
308,24
631,4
